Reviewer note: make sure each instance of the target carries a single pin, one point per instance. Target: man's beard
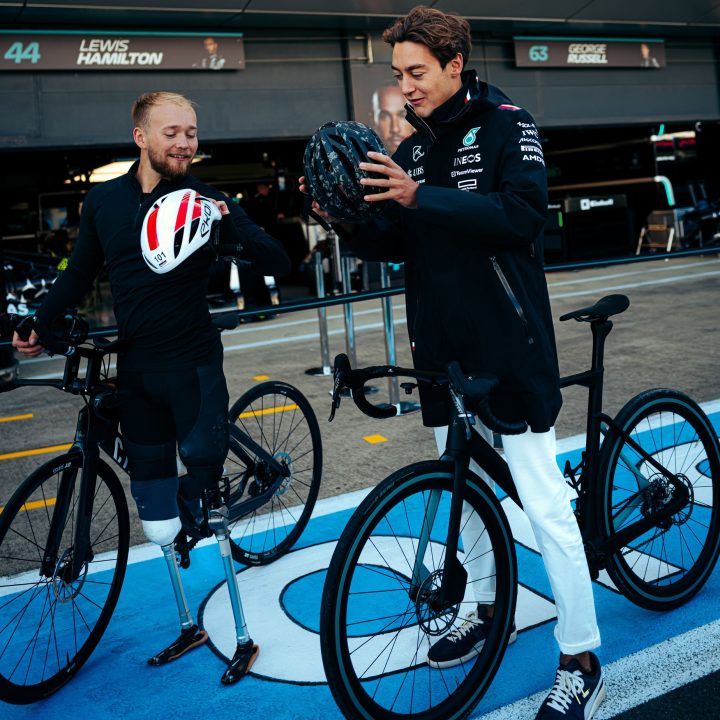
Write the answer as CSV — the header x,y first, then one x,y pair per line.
x,y
162,166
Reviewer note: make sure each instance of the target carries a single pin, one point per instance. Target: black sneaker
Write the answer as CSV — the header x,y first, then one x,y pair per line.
x,y
576,694
464,642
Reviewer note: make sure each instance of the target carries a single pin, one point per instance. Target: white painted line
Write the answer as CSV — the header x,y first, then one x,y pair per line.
x,y
260,327
308,336
638,270
642,676
656,281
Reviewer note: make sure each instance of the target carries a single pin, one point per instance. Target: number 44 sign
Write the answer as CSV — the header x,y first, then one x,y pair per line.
x,y
76,50
18,53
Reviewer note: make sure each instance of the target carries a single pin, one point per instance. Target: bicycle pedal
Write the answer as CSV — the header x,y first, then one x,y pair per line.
x,y
188,640
245,656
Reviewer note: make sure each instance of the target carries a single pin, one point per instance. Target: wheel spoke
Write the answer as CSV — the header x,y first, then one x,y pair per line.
x,y
378,625
670,562
46,631
271,415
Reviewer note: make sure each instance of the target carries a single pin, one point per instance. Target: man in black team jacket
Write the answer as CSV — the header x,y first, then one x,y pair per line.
x,y
174,394
467,204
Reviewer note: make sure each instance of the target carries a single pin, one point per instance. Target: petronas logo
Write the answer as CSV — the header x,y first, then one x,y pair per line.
x,y
469,139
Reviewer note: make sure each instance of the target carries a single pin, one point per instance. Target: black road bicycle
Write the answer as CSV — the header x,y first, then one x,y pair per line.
x,y
64,533
648,506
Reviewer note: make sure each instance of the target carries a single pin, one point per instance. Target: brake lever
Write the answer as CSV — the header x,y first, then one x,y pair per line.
x,y
468,418
336,393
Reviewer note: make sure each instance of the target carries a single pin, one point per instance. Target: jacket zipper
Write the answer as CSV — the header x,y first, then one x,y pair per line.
x,y
513,298
420,121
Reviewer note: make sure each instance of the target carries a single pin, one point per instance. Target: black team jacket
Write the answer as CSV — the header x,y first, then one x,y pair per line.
x,y
473,252
164,319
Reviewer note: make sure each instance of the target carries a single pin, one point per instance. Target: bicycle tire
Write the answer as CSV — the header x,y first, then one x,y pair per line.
x,y
48,626
367,607
669,564
279,418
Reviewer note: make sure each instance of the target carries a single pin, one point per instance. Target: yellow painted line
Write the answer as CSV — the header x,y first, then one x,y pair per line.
x,y
36,504
12,418
261,377
36,451
267,411
374,439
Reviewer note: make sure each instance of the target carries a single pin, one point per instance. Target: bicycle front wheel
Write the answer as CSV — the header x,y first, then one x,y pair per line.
x,y
379,619
51,618
278,417
668,564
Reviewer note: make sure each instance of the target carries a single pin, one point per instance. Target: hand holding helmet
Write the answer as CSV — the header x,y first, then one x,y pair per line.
x,y
333,172
177,225
386,175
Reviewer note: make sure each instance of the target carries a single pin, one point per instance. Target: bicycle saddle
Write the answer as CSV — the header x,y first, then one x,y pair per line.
x,y
601,310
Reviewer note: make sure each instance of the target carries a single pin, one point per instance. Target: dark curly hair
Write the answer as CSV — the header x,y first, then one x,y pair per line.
x,y
444,34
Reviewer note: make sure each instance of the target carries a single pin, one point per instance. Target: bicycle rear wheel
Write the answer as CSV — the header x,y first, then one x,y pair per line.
x,y
376,621
278,417
668,564
50,622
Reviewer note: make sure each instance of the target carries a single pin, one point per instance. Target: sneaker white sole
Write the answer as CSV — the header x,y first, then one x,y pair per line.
x,y
442,664
590,710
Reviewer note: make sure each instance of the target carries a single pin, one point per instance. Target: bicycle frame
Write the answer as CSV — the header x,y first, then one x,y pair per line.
x,y
111,441
97,427
463,445
598,424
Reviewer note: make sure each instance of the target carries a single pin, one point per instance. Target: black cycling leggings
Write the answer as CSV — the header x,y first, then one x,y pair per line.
x,y
164,411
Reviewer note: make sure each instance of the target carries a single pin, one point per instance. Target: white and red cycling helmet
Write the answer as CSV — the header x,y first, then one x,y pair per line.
x,y
176,225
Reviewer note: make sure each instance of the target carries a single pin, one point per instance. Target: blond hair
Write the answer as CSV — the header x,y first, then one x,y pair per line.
x,y
142,106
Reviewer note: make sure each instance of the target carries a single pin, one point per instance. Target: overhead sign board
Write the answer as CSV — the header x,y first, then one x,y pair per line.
x,y
81,50
538,52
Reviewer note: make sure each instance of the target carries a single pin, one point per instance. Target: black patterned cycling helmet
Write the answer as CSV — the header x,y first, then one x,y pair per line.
x,y
332,169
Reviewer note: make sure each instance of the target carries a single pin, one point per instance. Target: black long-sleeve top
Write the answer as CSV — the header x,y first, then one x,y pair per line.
x,y
164,319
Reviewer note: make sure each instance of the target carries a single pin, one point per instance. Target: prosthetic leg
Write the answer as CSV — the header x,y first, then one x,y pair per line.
x,y
246,651
190,635
157,507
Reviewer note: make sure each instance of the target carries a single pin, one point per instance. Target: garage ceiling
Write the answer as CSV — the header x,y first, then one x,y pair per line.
x,y
571,15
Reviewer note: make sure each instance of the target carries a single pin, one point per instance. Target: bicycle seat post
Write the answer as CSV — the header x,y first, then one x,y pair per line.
x,y
600,330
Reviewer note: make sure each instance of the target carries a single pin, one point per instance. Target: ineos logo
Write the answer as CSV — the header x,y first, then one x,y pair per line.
x,y
539,53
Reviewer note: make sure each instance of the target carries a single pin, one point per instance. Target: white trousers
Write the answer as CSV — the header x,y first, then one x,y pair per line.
x,y
546,500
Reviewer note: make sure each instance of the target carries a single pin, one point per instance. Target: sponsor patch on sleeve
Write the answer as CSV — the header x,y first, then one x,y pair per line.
x,y
529,143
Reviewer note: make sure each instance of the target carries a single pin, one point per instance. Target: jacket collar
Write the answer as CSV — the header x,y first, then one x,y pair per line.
x,y
474,94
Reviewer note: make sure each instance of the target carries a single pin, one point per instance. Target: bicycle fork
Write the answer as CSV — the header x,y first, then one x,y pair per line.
x,y
454,577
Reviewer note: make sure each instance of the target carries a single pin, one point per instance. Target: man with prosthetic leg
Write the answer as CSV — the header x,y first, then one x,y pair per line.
x,y
157,230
